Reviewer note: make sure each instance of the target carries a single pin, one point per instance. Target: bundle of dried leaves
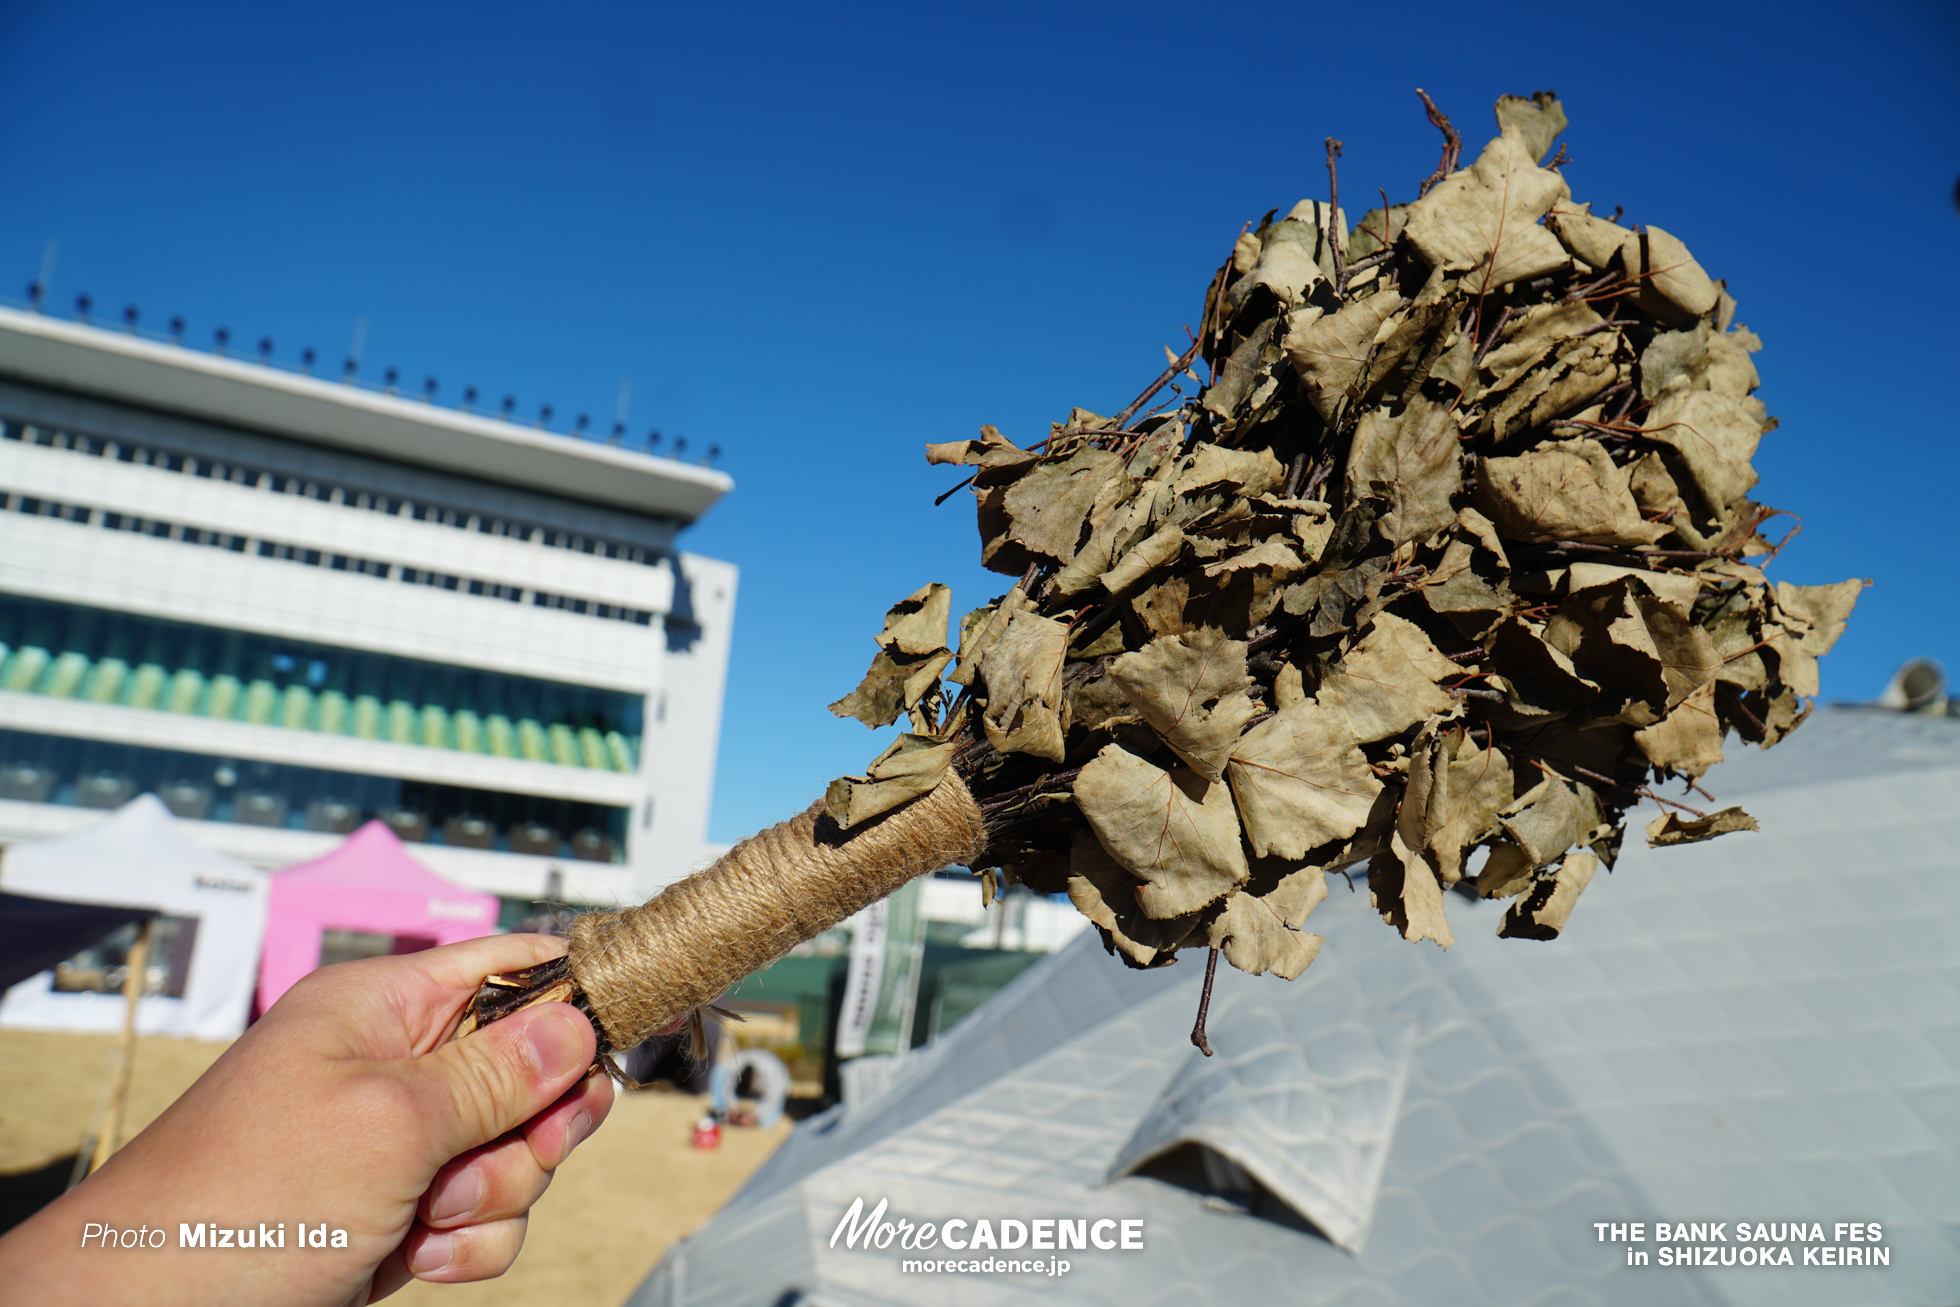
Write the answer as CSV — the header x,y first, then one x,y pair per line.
x,y
1453,550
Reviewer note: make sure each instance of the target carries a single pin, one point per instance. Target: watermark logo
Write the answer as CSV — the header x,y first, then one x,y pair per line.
x,y
875,1230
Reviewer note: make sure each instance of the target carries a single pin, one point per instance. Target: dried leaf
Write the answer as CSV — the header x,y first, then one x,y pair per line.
x,y
1330,352
916,625
1387,682
1562,490
1254,940
1106,894
1050,502
1404,890
1716,436
1173,829
1673,285
1191,689
1689,739
1542,913
1412,461
1300,782
981,627
991,450
910,767
1671,828
1022,671
1537,120
1485,218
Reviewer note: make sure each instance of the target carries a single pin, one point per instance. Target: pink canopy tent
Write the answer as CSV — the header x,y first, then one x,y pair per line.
x,y
368,884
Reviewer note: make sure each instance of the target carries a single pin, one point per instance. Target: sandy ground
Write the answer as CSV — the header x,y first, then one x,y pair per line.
x,y
627,1194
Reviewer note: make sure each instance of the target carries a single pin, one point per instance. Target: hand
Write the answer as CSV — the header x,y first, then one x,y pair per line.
x,y
346,1105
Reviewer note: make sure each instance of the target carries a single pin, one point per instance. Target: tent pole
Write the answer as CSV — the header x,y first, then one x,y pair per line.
x,y
135,979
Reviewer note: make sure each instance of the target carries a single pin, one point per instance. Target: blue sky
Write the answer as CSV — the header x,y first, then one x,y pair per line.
x,y
820,238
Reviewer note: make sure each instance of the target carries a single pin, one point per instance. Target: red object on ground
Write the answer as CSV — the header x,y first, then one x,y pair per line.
x,y
707,1133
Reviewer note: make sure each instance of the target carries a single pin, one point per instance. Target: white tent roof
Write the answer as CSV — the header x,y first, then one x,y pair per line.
x,y
140,856
1765,1027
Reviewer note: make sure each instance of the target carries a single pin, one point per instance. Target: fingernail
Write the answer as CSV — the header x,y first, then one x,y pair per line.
x,y
459,1195
578,1131
432,1254
557,1043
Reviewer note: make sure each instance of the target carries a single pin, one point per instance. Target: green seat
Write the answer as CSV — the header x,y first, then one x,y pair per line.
x,y
334,718
184,691
147,686
24,667
435,726
296,708
402,726
367,717
468,731
106,683
531,745
592,749
261,701
223,702
65,675
563,745
625,757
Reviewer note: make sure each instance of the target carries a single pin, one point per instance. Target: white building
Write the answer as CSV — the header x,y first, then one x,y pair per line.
x,y
287,605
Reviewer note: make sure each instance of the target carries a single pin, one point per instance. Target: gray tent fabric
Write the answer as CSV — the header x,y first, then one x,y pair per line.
x,y
36,933
1763,1028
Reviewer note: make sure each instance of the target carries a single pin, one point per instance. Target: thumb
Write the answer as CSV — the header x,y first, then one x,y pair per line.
x,y
476,1088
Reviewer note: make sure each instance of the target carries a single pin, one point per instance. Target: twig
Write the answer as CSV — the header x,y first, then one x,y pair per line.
x,y
1335,236
1452,142
1788,536
1491,339
1320,474
1183,362
955,490
1204,1005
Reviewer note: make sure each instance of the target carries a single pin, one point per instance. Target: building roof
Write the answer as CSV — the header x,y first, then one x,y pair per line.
x,y
1765,1027
129,369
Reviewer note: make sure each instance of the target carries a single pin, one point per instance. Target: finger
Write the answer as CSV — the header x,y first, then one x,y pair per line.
x,y
471,1090
474,1252
553,1133
505,1177
466,964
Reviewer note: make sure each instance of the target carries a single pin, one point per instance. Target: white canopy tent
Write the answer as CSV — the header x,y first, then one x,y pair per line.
x,y
140,856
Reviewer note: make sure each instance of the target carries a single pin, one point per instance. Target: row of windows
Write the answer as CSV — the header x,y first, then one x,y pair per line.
x,y
53,769
327,492
82,515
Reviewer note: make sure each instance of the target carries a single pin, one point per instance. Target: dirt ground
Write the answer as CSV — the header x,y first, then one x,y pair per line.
x,y
627,1194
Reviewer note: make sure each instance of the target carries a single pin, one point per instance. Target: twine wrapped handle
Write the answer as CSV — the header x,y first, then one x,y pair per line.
x,y
642,970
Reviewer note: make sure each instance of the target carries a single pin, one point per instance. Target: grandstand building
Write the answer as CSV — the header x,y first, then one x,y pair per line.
x,y
288,605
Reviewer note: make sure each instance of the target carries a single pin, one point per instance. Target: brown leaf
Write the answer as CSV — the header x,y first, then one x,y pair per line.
x,y
981,628
1300,782
1049,505
1404,890
1671,828
1562,490
1593,241
1485,217
1716,436
1546,820
1293,255
1542,913
1454,793
1173,829
1191,689
1507,873
1329,352
1386,683
1253,939
1689,739
1022,671
1106,894
1537,120
1412,461
991,450
1673,286
1159,549
916,625
910,767
891,687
